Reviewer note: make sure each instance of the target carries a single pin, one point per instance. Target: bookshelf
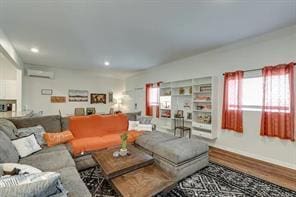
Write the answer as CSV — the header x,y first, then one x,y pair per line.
x,y
165,108
196,98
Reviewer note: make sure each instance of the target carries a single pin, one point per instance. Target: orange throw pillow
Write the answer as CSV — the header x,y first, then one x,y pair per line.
x,y
58,138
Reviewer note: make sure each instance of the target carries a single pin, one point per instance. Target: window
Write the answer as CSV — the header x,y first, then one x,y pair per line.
x,y
277,93
253,94
154,92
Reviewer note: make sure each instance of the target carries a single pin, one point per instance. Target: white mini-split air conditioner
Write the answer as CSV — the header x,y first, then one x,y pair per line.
x,y
40,74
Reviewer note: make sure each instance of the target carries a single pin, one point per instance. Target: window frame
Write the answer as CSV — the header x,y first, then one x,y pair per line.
x,y
152,103
257,108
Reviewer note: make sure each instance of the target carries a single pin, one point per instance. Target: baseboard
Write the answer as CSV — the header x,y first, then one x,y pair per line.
x,y
285,177
258,157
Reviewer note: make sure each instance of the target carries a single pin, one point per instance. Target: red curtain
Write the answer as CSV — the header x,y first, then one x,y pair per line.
x,y
157,107
232,101
149,108
277,119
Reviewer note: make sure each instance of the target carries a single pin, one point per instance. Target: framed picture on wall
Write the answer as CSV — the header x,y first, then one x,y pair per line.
x,y
58,99
46,91
78,95
98,98
179,114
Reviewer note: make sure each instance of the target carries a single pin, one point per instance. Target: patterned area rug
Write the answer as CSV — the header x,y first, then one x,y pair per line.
x,y
214,180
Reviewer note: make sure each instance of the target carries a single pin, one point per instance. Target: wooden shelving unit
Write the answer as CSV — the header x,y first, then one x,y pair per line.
x,y
204,107
197,99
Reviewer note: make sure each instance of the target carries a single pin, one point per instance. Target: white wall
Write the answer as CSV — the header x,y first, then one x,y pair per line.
x,y
7,48
269,49
7,69
66,79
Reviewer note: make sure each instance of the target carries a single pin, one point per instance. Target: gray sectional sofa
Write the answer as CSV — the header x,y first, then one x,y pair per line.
x,y
56,158
180,157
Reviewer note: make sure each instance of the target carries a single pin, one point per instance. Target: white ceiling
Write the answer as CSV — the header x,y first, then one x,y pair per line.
x,y
134,34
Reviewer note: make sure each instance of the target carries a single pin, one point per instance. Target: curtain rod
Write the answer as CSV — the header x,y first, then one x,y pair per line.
x,y
257,69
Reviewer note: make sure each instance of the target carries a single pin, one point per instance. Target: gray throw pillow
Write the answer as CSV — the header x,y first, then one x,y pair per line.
x,y
38,131
8,128
41,184
132,116
144,119
8,152
26,146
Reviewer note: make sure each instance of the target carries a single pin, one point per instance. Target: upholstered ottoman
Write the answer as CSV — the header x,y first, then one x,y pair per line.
x,y
149,140
181,157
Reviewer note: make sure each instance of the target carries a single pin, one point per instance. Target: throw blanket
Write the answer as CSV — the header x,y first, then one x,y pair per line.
x,y
41,184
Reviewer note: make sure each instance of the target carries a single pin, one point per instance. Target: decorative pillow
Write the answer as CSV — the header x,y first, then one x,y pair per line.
x,y
8,152
24,169
132,125
26,146
133,115
58,138
144,119
38,131
38,184
8,128
144,127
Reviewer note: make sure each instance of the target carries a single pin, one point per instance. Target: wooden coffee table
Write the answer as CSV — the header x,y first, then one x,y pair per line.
x,y
113,167
134,175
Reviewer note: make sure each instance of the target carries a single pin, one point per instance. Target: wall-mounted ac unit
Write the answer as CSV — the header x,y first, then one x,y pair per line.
x,y
40,73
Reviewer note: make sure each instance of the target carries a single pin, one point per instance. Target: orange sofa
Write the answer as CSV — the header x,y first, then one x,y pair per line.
x,y
98,131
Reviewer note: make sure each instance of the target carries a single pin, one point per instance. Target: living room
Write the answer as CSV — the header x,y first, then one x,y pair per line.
x,y
87,72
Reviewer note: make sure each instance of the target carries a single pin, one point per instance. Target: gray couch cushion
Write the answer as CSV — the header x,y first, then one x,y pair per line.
x,y
180,150
180,171
38,131
65,123
8,128
50,161
151,139
73,183
8,152
85,162
49,123
133,115
144,119
47,149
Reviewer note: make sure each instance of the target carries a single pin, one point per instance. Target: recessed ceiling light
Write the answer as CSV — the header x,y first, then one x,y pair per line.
x,y
35,50
106,63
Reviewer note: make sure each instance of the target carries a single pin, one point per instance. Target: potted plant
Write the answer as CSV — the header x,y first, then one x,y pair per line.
x,y
123,148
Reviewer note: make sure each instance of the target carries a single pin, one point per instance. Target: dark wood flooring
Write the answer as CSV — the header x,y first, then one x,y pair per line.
x,y
276,174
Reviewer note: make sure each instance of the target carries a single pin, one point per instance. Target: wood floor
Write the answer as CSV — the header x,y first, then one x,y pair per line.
x,y
278,175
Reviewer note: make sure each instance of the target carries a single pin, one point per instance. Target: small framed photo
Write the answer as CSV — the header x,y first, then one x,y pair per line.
x,y
97,98
179,114
46,92
58,99
189,116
